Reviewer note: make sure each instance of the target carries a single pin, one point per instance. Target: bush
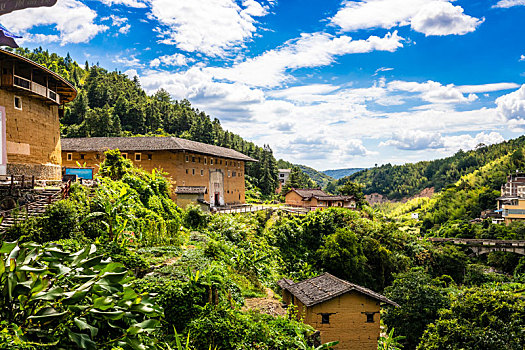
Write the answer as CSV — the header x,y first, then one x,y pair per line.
x,y
194,217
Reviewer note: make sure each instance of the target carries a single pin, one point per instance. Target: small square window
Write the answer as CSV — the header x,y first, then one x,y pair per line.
x,y
187,158
325,318
370,317
97,156
125,155
193,159
82,156
138,157
234,174
211,161
202,172
18,103
70,156
150,156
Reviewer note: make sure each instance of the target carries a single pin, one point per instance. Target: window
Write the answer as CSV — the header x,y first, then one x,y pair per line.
x,y
70,156
369,317
193,159
199,159
234,174
202,172
220,162
211,161
150,156
138,157
229,174
186,171
281,175
18,102
125,155
97,156
82,156
205,160
192,171
187,158
325,318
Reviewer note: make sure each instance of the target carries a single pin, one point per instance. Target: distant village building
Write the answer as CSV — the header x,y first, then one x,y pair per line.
x,y
340,310
316,198
511,204
210,173
31,99
284,174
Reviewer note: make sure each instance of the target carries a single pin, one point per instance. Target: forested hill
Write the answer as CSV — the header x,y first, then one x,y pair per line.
x,y
399,181
340,173
320,179
111,104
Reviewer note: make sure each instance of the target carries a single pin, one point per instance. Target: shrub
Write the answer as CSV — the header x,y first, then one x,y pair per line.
x,y
59,299
194,217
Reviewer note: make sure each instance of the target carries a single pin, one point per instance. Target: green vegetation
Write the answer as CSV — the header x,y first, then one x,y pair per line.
x,y
319,179
401,181
340,173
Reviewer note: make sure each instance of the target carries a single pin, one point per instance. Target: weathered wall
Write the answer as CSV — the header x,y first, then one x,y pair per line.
x,y
185,169
33,137
293,199
348,321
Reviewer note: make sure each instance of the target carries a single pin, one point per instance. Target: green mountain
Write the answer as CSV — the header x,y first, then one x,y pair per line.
x,y
320,179
401,181
111,104
340,173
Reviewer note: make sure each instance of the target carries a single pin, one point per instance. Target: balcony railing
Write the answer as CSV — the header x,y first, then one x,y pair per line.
x,y
36,88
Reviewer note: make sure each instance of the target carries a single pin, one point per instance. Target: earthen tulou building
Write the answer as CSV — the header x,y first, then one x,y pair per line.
x,y
199,171
31,99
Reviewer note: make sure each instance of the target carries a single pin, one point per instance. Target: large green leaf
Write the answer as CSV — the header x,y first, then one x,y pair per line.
x,y
110,315
52,294
147,326
82,324
7,247
103,303
82,340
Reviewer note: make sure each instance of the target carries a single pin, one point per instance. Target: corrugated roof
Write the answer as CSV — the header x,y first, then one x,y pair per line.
x,y
126,144
325,287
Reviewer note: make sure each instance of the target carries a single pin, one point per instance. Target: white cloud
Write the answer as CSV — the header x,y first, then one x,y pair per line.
x,y
116,20
170,60
467,142
310,50
131,61
129,3
414,140
486,87
212,27
522,58
512,105
432,91
382,69
73,21
431,17
509,3
124,29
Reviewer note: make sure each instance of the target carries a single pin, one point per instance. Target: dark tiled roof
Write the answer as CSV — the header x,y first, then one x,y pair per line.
x,y
307,193
126,144
190,190
325,287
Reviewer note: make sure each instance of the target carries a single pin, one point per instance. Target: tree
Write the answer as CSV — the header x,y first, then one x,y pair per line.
x,y
420,302
479,319
355,189
297,179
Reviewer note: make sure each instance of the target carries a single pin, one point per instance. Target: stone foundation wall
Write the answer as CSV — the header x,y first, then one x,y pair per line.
x,y
40,171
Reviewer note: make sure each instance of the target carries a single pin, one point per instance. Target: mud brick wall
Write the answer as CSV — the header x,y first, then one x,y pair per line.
x,y
33,137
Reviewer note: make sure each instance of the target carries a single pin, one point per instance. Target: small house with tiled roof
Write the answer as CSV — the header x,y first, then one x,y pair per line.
x,y
340,310
315,198
212,173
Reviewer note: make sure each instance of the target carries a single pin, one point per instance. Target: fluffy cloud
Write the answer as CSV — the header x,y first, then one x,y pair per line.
x,y
512,106
124,29
310,50
129,3
430,17
414,140
486,87
432,91
509,3
467,142
73,21
212,27
170,60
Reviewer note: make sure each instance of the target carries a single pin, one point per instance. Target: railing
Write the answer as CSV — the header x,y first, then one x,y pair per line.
x,y
17,181
36,88
22,83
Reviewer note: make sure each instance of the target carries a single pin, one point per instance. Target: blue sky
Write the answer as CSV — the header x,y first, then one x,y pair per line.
x,y
330,84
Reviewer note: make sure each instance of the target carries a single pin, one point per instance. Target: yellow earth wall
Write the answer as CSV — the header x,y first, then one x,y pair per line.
x,y
348,321
33,137
184,169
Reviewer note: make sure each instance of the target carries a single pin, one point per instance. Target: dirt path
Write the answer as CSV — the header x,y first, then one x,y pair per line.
x,y
269,305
